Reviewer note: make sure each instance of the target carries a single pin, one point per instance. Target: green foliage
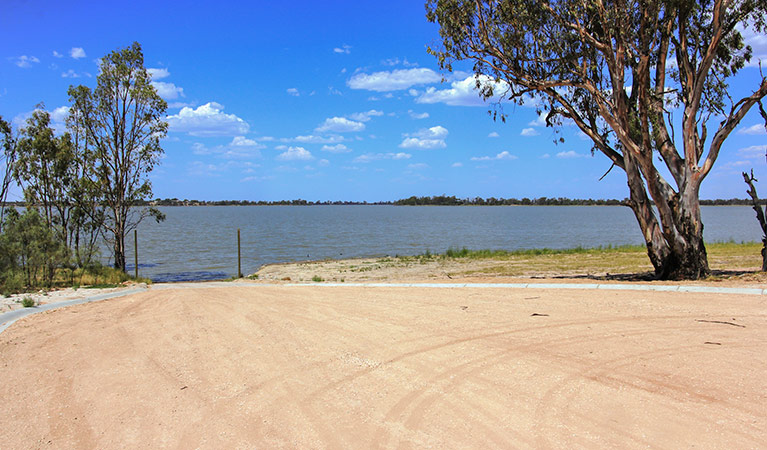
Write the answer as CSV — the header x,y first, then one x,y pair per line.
x,y
28,302
317,279
122,121
31,248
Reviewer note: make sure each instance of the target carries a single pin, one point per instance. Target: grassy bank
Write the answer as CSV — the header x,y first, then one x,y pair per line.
x,y
728,260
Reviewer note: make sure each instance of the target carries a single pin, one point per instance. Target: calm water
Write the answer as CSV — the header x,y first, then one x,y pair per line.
x,y
196,243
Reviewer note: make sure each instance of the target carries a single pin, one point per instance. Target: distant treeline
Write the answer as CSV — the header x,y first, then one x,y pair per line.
x,y
438,200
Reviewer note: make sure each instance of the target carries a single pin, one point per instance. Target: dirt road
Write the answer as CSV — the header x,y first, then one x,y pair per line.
x,y
357,367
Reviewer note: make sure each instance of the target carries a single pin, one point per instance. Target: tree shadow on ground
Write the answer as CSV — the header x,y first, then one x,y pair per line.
x,y
716,275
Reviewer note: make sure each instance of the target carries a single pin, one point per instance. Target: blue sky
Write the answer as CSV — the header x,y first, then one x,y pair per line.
x,y
318,100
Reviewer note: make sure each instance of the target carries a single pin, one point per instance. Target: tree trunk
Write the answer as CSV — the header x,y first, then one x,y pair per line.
x,y
119,245
676,250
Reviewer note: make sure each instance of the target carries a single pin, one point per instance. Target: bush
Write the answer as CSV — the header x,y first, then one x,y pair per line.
x,y
27,302
317,279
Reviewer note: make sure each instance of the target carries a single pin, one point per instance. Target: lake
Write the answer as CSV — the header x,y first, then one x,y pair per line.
x,y
200,243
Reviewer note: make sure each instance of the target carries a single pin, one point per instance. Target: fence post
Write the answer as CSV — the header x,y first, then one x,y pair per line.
x,y
239,265
135,250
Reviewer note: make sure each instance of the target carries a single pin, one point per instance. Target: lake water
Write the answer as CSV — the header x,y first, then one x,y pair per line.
x,y
198,243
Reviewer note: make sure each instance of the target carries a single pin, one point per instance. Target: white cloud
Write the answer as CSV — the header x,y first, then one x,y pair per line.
x,y
242,141
158,74
323,163
393,81
312,139
426,138
57,54
571,154
365,116
753,152
456,164
462,93
77,53
504,155
540,121
293,91
545,156
753,129
758,43
24,61
493,135
340,125
70,74
368,157
529,132
344,49
418,116
207,120
338,148
295,154
417,166
168,91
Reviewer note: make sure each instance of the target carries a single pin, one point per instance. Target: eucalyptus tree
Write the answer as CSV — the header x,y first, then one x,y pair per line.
x,y
44,169
7,161
123,120
619,70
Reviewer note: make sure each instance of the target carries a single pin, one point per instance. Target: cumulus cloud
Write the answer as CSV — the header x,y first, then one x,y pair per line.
x,y
323,163
77,53
753,129
57,54
418,116
365,116
493,135
70,74
417,166
571,154
344,49
168,91
312,139
456,164
24,61
240,148
158,73
462,93
753,152
426,138
295,154
395,80
340,125
529,132
338,148
758,43
504,155
293,91
207,120
368,157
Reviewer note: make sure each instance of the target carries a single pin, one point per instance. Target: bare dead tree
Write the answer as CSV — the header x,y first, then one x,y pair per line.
x,y
760,214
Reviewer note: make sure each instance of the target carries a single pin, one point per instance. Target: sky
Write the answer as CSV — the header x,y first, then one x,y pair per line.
x,y
333,100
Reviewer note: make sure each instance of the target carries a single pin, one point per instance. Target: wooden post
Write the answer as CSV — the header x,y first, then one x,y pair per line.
x,y
135,250
239,266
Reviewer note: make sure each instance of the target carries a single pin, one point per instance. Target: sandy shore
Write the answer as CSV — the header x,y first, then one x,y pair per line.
x,y
358,367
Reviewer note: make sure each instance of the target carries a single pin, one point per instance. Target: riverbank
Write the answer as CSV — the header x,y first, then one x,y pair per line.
x,y
731,264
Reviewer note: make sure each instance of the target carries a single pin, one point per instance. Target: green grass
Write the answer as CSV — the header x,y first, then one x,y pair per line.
x,y
317,279
102,286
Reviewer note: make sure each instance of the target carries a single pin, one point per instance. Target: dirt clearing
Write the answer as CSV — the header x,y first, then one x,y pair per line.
x,y
362,367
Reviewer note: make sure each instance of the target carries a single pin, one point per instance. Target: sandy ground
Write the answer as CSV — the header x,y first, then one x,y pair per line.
x,y
361,367
42,297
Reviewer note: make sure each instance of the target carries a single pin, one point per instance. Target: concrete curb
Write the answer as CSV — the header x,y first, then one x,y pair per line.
x,y
617,287
8,318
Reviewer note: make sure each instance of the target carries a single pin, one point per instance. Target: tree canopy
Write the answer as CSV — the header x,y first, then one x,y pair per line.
x,y
620,71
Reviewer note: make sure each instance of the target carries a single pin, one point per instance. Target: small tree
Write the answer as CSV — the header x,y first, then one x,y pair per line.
x,y
44,167
618,70
123,120
760,214
7,161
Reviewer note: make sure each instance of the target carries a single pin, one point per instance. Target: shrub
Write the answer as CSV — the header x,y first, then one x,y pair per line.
x,y
317,279
27,302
